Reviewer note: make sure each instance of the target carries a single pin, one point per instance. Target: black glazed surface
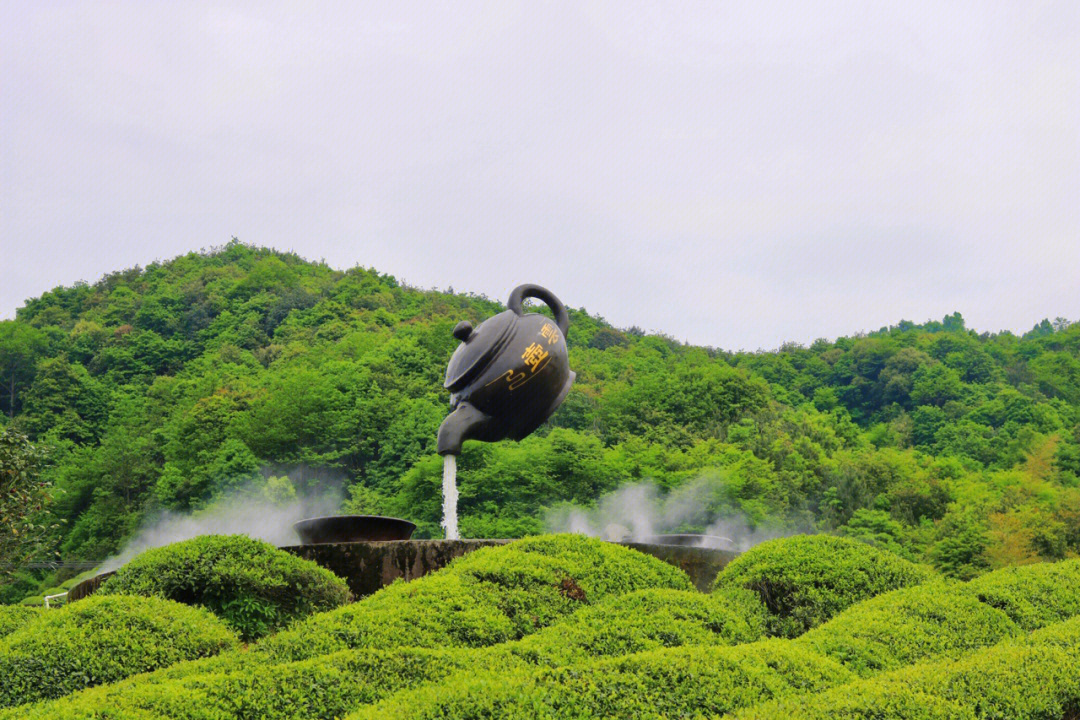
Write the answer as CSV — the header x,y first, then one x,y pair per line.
x,y
352,528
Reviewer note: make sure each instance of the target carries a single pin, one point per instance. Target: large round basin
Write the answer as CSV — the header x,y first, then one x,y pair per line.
x,y
352,528
715,542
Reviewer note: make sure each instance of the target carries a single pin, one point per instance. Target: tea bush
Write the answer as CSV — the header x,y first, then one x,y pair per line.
x,y
1032,595
870,699
325,687
1033,677
100,640
486,597
1065,634
903,626
253,586
13,617
567,627
674,682
646,620
807,579
246,685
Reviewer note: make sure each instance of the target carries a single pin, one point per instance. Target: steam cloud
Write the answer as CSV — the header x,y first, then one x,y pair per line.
x,y
639,512
247,511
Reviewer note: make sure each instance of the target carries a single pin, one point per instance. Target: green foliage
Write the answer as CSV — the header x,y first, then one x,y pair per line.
x,y
484,598
21,346
903,626
1030,676
325,687
171,385
960,551
100,640
877,528
13,617
24,500
646,620
860,701
1033,596
254,587
807,579
1026,679
675,682
931,651
65,402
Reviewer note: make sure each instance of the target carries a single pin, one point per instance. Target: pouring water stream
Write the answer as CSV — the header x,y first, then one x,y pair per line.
x,y
450,496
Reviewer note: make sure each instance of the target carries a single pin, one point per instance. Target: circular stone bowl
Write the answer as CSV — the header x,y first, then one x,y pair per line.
x,y
352,528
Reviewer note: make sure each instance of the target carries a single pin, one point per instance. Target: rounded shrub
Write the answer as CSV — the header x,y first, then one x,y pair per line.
x,y
1063,634
243,685
1032,595
489,596
13,617
806,579
904,626
674,682
861,701
327,687
1036,677
1032,677
251,585
44,711
100,640
646,620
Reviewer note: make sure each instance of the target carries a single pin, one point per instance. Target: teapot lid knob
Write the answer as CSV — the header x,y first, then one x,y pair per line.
x,y
463,330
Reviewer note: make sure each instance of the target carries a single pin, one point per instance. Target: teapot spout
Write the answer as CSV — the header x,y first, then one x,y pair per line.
x,y
465,423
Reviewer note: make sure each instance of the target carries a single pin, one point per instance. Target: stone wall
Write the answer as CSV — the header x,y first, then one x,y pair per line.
x,y
368,566
701,564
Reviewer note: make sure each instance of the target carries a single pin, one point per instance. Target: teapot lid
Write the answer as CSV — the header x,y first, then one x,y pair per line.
x,y
478,347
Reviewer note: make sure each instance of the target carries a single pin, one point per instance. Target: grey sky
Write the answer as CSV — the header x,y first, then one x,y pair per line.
x,y
733,174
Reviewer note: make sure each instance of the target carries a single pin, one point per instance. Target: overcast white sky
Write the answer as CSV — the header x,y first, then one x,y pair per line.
x,y
733,174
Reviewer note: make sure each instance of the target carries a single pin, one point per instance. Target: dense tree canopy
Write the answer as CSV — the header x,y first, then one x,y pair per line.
x,y
170,386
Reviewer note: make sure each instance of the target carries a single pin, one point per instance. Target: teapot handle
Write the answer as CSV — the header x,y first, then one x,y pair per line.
x,y
523,291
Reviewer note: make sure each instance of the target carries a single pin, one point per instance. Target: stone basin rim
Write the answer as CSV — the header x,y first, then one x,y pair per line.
x,y
352,528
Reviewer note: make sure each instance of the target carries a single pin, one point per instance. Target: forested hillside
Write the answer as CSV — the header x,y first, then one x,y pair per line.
x,y
171,386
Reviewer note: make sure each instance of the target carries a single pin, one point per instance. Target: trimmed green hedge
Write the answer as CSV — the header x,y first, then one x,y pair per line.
x,y
101,640
332,685
1034,677
251,585
866,700
1032,595
646,620
13,617
560,628
499,594
487,597
324,687
806,579
674,682
904,626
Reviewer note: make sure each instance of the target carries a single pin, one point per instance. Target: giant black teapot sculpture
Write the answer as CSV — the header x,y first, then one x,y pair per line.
x,y
508,375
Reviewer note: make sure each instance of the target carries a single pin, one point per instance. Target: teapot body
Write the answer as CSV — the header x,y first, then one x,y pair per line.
x,y
508,375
